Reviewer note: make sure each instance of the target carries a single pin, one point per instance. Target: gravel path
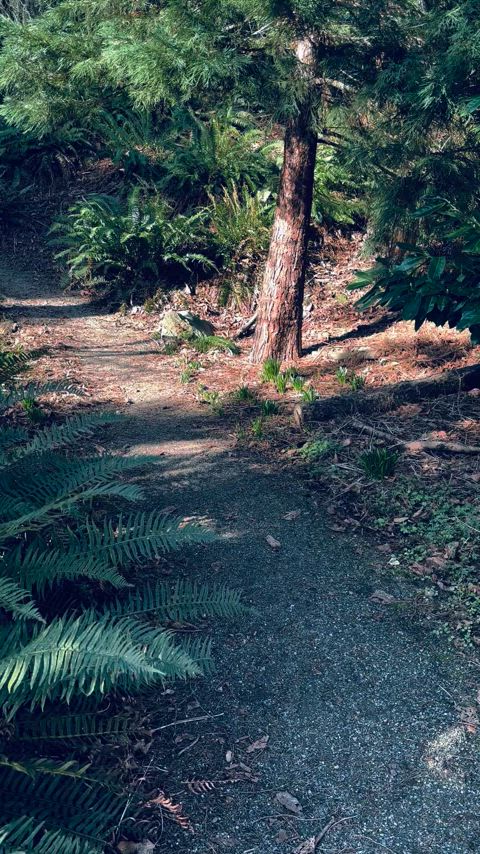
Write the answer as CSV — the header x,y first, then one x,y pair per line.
x,y
361,706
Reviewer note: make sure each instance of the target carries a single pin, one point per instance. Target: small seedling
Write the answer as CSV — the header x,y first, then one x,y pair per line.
x,y
269,407
281,383
379,463
33,411
350,378
356,382
240,433
317,448
341,375
243,394
257,427
270,370
309,395
298,383
212,398
189,371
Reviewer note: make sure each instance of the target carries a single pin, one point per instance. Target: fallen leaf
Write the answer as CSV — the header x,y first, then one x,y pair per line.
x,y
382,597
282,836
229,756
260,744
289,802
272,542
292,514
307,847
469,718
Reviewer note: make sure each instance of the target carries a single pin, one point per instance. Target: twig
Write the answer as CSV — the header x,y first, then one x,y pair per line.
x,y
334,822
419,444
187,721
189,746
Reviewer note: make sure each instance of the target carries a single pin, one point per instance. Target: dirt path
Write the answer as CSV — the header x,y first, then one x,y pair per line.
x,y
361,707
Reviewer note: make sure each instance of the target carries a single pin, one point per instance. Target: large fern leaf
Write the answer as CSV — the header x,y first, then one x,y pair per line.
x,y
69,806
142,536
26,835
85,655
59,435
17,601
75,727
39,567
187,600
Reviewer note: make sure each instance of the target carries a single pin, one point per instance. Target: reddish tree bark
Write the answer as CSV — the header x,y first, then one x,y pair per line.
x,y
279,322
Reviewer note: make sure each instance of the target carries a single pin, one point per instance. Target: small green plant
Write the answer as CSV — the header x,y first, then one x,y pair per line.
x,y
341,375
345,377
281,383
243,395
33,410
269,407
186,376
212,398
316,449
379,463
356,382
309,395
257,427
298,384
205,343
270,370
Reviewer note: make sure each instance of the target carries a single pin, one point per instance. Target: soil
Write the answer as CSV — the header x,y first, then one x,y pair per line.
x,y
339,699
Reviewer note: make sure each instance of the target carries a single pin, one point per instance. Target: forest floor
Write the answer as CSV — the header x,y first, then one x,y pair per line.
x,y
335,705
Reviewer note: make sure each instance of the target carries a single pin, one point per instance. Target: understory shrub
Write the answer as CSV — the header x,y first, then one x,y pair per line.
x,y
123,244
77,622
437,278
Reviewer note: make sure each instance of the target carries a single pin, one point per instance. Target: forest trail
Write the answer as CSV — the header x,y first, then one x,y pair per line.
x,y
362,707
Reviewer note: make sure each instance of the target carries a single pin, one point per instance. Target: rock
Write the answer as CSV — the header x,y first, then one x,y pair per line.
x,y
176,324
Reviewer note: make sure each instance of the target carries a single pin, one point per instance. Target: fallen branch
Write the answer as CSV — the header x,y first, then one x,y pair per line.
x,y
247,327
418,445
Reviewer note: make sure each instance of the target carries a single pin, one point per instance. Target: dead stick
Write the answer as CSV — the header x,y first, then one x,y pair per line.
x,y
418,445
187,721
328,827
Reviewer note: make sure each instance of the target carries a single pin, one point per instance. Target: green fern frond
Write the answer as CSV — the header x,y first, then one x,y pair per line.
x,y
84,655
26,835
17,601
66,805
12,362
32,768
75,727
11,436
186,601
41,568
59,488
59,435
10,397
142,536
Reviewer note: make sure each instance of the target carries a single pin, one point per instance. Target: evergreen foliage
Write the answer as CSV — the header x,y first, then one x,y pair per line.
x,y
74,628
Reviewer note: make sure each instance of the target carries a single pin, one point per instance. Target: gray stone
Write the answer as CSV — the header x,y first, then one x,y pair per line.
x,y
176,324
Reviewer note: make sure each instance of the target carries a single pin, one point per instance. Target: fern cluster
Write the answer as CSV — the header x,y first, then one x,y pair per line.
x,y
73,627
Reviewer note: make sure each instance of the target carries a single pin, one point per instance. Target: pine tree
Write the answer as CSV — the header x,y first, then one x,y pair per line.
x,y
282,61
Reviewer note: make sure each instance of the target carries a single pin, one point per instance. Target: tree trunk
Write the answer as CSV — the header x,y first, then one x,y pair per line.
x,y
279,323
